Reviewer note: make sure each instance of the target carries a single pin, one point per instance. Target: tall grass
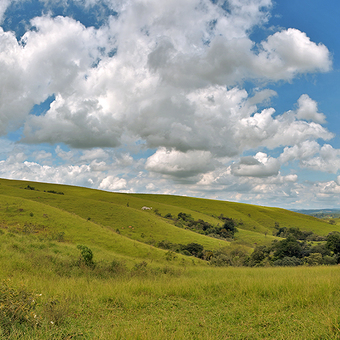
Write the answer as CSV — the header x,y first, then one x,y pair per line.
x,y
195,303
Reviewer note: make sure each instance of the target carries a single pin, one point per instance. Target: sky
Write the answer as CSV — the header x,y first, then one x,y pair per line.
x,y
223,99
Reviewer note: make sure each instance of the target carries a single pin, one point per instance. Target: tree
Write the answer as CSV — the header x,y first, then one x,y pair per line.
x,y
258,256
288,247
185,217
229,226
333,242
194,249
313,259
288,262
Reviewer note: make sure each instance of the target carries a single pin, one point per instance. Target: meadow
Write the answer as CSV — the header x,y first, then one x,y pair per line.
x,y
132,289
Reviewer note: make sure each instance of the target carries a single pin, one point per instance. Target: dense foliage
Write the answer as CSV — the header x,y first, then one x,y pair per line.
x,y
226,231
293,252
296,233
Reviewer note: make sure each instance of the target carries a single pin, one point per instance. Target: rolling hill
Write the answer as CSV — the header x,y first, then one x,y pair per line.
x,y
116,223
136,289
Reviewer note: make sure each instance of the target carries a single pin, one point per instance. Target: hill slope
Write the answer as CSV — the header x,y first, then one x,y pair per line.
x,y
116,222
134,289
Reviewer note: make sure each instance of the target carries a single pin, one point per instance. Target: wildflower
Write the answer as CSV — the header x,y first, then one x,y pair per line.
x,y
52,323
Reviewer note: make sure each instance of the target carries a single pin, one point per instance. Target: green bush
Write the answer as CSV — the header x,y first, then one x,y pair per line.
x,y
313,259
221,260
288,262
329,260
86,255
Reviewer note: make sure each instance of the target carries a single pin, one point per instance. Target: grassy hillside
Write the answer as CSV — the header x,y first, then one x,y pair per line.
x,y
98,212
255,218
135,290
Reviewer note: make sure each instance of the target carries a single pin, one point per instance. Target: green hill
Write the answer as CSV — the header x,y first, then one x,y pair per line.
x,y
116,222
78,263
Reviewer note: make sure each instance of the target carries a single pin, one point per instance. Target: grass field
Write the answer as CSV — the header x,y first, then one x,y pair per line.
x,y
134,291
191,303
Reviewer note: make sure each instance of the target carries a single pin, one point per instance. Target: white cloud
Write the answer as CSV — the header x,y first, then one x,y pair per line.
x,y
170,58
290,52
112,183
330,188
3,6
262,129
163,78
124,160
65,155
308,109
93,154
179,164
313,156
303,151
51,59
259,166
17,168
328,160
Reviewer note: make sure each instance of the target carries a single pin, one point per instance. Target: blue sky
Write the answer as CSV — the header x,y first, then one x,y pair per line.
x,y
233,100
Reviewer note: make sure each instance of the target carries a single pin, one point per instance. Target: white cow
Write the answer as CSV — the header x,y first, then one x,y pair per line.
x,y
146,208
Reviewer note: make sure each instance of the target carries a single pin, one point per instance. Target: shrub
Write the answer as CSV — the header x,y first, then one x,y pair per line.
x,y
165,244
86,255
329,260
288,262
229,228
193,248
185,217
313,259
220,260
55,192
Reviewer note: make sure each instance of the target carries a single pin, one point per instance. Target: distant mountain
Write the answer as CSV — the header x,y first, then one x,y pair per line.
x,y
319,212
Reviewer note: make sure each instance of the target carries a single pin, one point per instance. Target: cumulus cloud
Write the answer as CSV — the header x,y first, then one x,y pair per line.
x,y
155,96
112,183
179,164
327,160
169,60
47,60
302,151
308,109
259,166
313,156
290,52
19,168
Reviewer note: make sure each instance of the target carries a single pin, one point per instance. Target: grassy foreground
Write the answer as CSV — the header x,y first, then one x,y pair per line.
x,y
53,296
192,303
